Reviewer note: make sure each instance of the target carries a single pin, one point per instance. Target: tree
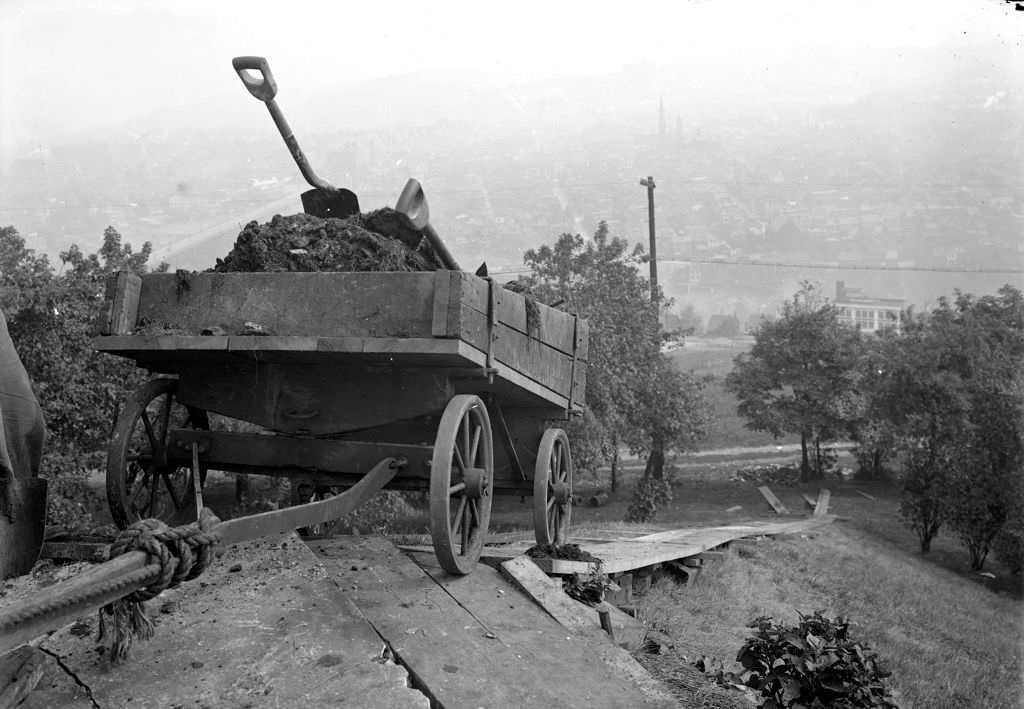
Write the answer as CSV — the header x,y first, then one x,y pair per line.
x,y
799,377
52,318
633,391
950,391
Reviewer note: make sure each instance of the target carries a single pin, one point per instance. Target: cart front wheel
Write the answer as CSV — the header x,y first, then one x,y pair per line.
x,y
461,481
142,481
552,488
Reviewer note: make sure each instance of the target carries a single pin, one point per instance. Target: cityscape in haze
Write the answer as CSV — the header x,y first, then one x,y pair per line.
x,y
903,182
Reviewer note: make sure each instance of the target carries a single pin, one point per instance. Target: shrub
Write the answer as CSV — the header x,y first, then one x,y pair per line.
x,y
649,494
814,664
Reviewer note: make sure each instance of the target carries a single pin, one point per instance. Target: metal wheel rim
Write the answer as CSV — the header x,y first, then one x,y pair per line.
x,y
135,459
554,467
458,523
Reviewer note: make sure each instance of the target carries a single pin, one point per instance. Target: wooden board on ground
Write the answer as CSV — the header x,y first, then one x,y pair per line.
x,y
625,555
570,613
474,641
261,627
775,502
822,506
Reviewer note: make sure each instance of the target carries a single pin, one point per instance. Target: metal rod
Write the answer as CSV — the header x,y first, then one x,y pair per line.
x,y
56,606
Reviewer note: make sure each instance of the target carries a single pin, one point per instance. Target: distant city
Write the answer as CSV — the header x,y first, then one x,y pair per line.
x,y
901,196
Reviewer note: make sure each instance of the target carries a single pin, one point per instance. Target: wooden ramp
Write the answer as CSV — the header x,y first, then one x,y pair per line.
x,y
475,641
629,554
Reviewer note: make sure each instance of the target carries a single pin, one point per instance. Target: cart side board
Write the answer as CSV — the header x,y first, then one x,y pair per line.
x,y
434,319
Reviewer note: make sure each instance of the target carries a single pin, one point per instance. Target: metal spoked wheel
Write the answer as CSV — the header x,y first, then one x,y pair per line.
x,y
461,480
142,482
552,488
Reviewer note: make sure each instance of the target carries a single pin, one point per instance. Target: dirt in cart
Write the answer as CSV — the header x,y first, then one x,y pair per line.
x,y
376,241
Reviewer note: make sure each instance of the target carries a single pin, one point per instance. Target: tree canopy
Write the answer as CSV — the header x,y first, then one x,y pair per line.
x,y
52,317
634,392
800,377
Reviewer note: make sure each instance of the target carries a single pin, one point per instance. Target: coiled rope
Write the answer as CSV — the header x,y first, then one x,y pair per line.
x,y
182,552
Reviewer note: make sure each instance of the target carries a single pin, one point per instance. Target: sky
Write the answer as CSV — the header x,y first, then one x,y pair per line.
x,y
84,66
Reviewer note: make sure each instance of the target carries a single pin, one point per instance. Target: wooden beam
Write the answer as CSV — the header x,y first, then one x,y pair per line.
x,y
822,507
775,502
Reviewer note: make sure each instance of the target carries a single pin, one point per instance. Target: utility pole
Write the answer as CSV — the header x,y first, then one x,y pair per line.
x,y
656,460
649,184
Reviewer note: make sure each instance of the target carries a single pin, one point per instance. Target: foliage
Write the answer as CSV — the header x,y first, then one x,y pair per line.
x,y
800,377
635,395
649,494
52,318
816,663
949,388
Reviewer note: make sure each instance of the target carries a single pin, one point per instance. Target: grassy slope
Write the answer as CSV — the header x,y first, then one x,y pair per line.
x,y
953,639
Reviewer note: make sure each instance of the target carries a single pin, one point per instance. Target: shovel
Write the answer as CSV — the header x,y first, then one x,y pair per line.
x,y
22,522
325,200
412,207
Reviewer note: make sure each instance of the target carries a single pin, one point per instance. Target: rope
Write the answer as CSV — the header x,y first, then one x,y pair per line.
x,y
183,554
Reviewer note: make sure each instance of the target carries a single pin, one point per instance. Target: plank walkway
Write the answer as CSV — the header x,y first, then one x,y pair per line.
x,y
629,554
475,641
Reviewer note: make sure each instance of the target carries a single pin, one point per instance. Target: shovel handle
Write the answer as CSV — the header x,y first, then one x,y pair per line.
x,y
264,88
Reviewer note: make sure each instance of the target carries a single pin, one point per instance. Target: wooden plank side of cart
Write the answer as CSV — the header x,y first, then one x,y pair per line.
x,y
536,354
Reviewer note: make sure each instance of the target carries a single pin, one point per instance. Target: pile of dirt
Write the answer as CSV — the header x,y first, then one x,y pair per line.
x,y
377,241
771,474
568,552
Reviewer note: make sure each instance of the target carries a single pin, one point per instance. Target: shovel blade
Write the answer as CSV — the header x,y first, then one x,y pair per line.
x,y
324,203
21,532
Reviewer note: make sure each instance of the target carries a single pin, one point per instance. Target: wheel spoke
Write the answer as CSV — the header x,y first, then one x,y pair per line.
x,y
466,527
551,503
458,515
474,513
459,462
169,484
475,446
150,433
165,417
459,487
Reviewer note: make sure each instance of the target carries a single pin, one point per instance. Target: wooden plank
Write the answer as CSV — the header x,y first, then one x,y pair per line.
x,y
20,672
122,297
865,495
822,506
394,304
264,626
473,652
809,501
445,321
775,502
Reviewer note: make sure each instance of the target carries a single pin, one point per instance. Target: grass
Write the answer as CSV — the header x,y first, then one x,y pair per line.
x,y
715,358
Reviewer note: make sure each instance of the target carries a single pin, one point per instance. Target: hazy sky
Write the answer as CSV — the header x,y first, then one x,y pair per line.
x,y
68,66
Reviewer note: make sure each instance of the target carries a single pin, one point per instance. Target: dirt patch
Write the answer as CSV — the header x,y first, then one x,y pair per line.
x,y
569,552
377,241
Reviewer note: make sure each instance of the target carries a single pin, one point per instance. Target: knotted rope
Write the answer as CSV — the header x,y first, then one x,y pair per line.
x,y
182,552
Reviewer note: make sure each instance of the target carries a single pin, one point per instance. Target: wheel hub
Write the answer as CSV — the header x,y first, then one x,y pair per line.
x,y
476,483
561,493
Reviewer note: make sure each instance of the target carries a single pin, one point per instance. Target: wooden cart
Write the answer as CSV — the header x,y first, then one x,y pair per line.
x,y
333,372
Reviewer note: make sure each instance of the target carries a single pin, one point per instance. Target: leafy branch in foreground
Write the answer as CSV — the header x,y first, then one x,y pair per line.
x,y
814,664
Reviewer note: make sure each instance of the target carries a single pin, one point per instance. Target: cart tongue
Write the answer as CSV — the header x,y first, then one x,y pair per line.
x,y
22,521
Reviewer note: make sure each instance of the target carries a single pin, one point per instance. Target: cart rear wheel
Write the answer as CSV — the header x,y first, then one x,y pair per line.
x,y
141,482
461,480
552,488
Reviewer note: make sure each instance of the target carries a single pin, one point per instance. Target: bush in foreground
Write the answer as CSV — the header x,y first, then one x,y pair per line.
x,y
814,664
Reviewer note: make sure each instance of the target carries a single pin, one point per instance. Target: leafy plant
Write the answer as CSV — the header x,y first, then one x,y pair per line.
x,y
649,494
816,663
